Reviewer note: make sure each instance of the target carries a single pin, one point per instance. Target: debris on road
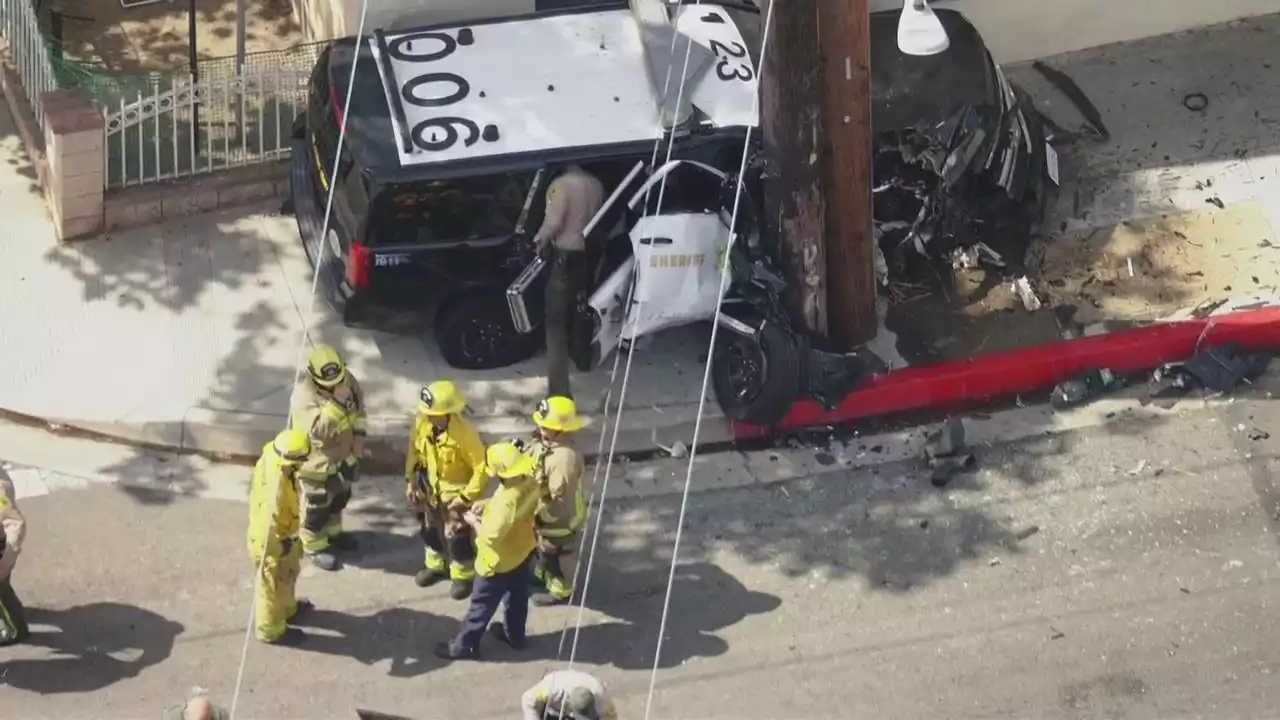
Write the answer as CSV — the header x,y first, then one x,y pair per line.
x,y
1068,87
1195,102
947,454
1088,385
1137,469
1055,633
1217,369
1027,532
1022,287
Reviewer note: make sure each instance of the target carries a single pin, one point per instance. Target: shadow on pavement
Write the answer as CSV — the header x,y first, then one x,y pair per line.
x,y
704,600
387,551
91,647
402,635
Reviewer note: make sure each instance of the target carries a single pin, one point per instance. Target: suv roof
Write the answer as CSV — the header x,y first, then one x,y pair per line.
x,y
557,86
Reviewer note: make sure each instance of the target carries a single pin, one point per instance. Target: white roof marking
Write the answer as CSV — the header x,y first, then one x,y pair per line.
x,y
727,93
594,62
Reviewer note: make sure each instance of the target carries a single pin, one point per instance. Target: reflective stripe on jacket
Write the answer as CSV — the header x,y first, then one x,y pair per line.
x,y
331,425
272,522
453,459
560,471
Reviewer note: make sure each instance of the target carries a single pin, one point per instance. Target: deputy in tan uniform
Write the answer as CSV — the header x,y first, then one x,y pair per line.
x,y
568,695
573,198
444,475
328,406
13,530
559,469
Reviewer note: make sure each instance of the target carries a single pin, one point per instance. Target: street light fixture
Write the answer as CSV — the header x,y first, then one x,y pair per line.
x,y
919,30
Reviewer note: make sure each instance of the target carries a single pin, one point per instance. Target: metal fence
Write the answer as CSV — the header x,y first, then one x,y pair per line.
x,y
193,127
29,50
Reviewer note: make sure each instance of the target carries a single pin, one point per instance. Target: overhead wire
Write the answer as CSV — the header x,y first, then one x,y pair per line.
x,y
592,528
304,335
634,305
725,272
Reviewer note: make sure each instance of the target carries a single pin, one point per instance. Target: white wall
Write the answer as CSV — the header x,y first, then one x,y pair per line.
x,y
1017,30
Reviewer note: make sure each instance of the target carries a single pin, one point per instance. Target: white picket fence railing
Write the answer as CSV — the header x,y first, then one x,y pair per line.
x,y
29,51
194,127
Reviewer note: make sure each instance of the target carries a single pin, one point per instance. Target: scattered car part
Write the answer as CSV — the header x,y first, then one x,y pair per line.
x,y
1068,87
1195,102
1219,369
1085,387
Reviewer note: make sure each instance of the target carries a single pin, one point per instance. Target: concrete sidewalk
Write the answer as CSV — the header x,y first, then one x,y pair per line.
x,y
186,335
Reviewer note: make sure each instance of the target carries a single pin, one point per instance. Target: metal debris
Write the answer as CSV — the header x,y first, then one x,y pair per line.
x,y
1083,388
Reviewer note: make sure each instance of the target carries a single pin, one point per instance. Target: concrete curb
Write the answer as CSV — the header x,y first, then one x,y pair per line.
x,y
234,435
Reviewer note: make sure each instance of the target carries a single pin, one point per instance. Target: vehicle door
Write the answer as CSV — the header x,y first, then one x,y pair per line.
x,y
680,249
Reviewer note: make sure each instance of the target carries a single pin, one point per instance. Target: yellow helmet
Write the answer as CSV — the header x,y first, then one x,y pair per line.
x,y
505,460
558,413
441,397
291,446
325,366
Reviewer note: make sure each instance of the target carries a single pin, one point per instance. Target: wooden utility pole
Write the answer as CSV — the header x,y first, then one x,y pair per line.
x,y
845,39
816,116
791,124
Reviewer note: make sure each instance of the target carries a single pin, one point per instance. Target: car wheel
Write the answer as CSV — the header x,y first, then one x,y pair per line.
x,y
757,381
475,332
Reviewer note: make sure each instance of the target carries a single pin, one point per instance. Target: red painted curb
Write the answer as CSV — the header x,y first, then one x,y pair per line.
x,y
1030,369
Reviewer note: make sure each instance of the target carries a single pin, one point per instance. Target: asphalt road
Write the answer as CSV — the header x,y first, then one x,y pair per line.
x,y
1126,571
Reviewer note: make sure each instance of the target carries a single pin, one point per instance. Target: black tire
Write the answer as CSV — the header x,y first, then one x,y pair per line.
x,y
757,382
475,332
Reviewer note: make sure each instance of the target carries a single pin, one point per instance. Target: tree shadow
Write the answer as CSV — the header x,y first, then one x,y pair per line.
x,y
403,635
154,36
91,647
705,599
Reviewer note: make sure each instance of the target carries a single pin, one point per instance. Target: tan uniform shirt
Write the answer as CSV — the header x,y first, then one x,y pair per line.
x,y
12,525
572,200
332,420
552,694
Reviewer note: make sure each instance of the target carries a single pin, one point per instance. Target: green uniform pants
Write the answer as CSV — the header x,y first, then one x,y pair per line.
x,y
565,288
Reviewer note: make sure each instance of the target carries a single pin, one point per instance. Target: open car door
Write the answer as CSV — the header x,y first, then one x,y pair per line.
x,y
675,267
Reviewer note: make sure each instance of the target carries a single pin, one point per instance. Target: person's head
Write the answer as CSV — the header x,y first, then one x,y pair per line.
x,y
582,703
325,367
556,417
506,462
440,401
291,447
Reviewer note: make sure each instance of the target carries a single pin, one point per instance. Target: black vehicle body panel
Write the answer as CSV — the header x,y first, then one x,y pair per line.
x,y
408,281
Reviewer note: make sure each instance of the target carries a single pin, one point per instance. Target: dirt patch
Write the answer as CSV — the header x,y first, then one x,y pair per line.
x,y
154,37
970,313
1143,270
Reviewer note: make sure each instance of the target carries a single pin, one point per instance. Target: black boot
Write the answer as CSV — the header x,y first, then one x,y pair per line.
x,y
460,589
292,637
305,607
498,631
449,651
427,577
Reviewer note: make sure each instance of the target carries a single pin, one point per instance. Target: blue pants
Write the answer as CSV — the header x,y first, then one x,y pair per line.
x,y
487,594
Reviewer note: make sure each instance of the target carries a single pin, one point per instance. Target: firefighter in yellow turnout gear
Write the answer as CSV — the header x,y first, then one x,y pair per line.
x,y
328,406
559,469
444,475
274,522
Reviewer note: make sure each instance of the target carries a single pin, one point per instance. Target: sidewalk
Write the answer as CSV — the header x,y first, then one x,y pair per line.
x,y
186,335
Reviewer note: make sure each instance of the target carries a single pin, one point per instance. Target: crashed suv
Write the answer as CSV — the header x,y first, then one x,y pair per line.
x,y
452,140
